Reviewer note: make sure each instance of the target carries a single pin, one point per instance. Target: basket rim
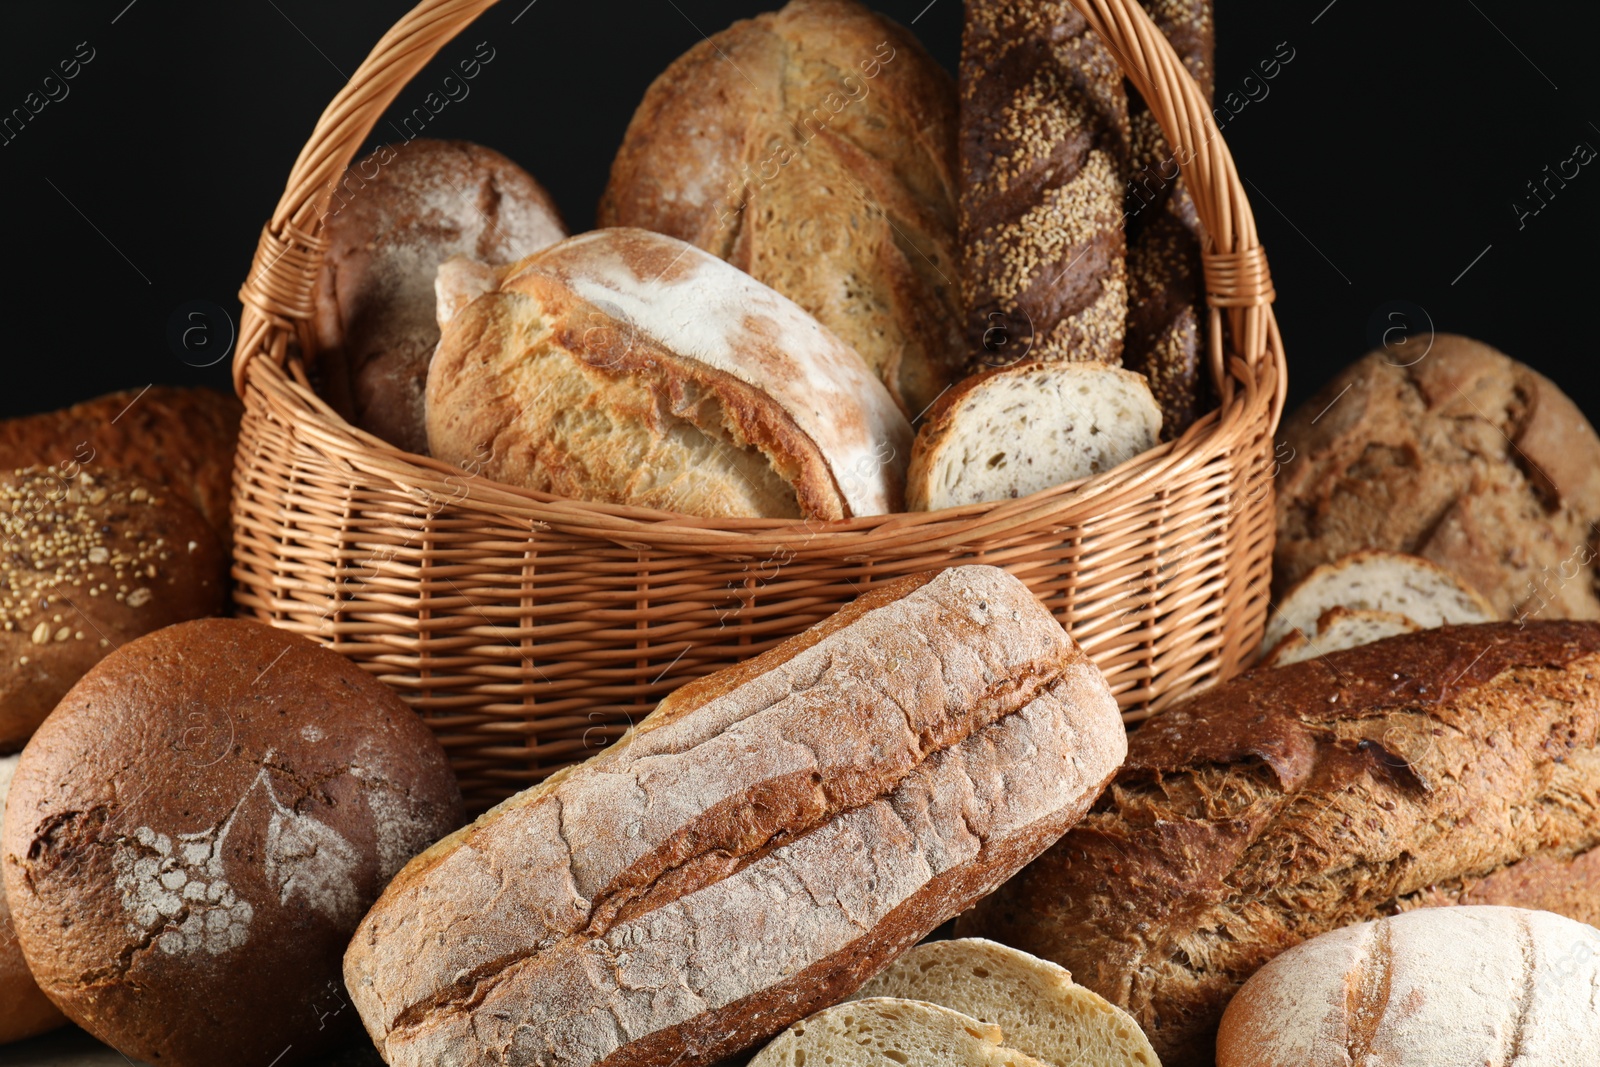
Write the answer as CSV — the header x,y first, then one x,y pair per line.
x,y
277,296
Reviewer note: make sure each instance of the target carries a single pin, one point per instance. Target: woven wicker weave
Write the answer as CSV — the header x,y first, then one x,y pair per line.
x,y
531,630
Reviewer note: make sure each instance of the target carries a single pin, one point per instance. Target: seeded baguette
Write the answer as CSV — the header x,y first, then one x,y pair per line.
x,y
1044,147
754,850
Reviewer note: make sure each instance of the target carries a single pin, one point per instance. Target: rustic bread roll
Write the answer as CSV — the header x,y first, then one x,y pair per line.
x,y
85,565
180,439
1028,427
193,835
1292,801
814,147
632,368
1375,580
1036,1005
24,1010
1337,629
1166,299
1461,456
866,1033
1044,146
394,217
1434,988
765,841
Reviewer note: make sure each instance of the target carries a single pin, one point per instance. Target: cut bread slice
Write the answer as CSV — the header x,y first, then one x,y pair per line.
x,y
881,1031
1026,428
1339,628
1377,580
1036,1004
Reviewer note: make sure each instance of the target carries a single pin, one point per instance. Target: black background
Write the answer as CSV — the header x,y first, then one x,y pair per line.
x,y
1384,159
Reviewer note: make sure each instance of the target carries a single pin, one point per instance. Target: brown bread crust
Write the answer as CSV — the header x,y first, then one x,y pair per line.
x,y
86,565
887,766
1044,147
1166,304
180,439
1449,450
24,1010
813,148
193,835
1457,764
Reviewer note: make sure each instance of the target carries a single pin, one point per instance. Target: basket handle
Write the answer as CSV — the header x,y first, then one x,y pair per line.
x,y
1237,281
279,289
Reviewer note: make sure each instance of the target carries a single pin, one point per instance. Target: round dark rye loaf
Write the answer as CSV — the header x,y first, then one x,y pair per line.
x,y
1166,305
194,833
756,849
181,439
24,1010
1457,765
1044,145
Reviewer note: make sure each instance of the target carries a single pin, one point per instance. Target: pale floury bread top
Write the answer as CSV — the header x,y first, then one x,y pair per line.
x,y
629,367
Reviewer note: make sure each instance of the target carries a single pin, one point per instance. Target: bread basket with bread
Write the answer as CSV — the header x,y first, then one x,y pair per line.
x,y
531,628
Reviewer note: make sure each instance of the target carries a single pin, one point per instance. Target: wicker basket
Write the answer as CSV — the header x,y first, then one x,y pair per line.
x,y
531,630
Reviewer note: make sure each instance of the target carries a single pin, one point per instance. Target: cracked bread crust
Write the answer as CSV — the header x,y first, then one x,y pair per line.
x,y
757,848
193,835
1449,764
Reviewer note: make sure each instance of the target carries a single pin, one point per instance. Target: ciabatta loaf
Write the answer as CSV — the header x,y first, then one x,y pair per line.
x,y
1039,1009
631,368
1447,766
1442,987
815,148
869,1033
763,843
1376,580
1028,427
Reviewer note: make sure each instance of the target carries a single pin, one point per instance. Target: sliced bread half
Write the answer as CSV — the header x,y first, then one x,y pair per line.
x,y
886,1030
1021,429
1339,628
1377,580
1036,1004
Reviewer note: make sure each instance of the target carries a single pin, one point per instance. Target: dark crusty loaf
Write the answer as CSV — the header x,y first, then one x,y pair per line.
x,y
394,217
1044,146
1460,455
181,439
757,848
1458,764
1166,306
85,565
814,148
24,1010
195,832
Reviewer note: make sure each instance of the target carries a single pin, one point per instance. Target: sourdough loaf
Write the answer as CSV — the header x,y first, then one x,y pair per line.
x,y
195,831
1463,456
1028,427
814,147
1039,1008
632,368
85,565
1337,629
179,439
393,217
912,1033
1044,146
1436,988
764,842
24,1010
1166,300
1295,800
